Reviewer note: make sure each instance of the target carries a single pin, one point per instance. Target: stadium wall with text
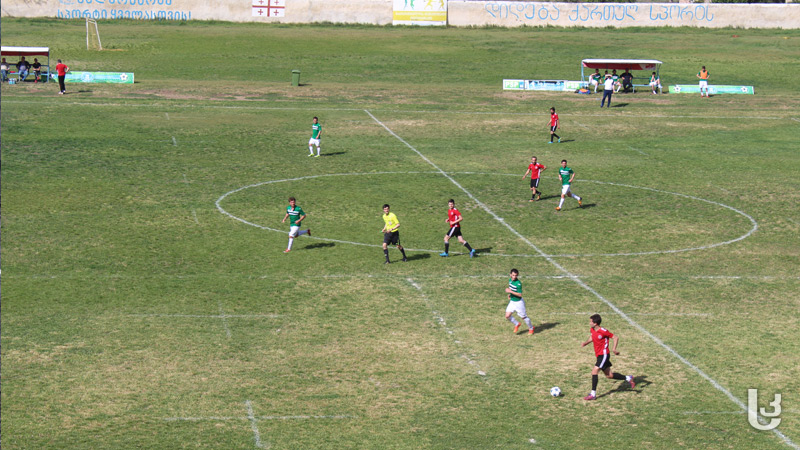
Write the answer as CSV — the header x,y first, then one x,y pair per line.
x,y
459,13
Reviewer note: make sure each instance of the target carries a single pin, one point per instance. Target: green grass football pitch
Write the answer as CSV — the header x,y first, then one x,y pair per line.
x,y
147,302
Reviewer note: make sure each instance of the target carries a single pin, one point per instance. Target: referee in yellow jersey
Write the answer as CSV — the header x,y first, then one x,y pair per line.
x,y
390,233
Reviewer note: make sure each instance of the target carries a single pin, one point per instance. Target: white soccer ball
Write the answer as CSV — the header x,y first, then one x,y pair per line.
x,y
555,391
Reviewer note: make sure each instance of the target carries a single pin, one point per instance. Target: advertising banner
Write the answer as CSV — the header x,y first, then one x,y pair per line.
x,y
513,85
712,89
419,12
542,85
98,77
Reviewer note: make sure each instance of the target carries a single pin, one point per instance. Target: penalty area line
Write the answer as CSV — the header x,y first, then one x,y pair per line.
x,y
588,288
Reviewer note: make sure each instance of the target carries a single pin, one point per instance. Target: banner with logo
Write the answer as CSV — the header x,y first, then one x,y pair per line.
x,y
542,85
419,12
712,89
97,77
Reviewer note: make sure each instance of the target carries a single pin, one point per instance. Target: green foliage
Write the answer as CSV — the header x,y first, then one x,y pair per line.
x,y
130,299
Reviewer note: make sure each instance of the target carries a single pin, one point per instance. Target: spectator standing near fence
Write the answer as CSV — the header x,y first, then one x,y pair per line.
x,y
703,75
4,68
62,70
37,70
608,89
22,68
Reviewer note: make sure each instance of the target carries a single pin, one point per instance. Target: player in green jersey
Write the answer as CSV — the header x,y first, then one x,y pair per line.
x,y
566,175
515,302
316,133
295,214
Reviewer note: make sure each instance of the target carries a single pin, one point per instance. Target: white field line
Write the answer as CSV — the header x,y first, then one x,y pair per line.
x,y
654,252
588,288
258,418
795,119
580,124
443,323
167,114
792,220
637,150
174,141
211,316
224,320
743,277
185,180
254,424
658,314
791,411
194,214
394,111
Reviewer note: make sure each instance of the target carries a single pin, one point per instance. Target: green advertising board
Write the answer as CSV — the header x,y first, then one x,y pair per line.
x,y
99,77
712,89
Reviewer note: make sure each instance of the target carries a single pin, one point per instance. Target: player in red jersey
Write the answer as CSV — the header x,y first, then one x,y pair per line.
x,y
600,337
553,125
536,170
454,220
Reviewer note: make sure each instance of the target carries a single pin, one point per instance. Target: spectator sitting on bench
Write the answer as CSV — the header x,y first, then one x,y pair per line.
x,y
615,77
4,69
37,70
627,81
655,82
22,68
594,79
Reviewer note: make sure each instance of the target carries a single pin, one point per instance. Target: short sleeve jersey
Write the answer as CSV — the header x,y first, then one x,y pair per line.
x,y
536,170
61,68
596,76
608,84
391,221
565,173
515,286
36,66
315,129
553,119
453,214
600,338
295,214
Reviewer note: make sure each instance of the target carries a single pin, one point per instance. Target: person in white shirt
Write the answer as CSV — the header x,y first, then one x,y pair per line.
x,y
608,89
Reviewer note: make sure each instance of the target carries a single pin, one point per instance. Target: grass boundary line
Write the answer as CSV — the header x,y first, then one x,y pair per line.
x,y
585,286
443,323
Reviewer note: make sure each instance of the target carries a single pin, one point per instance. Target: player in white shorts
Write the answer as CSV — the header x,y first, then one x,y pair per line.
x,y
703,75
316,133
515,302
566,175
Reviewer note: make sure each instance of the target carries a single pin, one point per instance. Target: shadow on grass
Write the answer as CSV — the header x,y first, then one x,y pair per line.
x,y
619,105
640,380
480,250
332,153
546,326
588,205
320,245
417,256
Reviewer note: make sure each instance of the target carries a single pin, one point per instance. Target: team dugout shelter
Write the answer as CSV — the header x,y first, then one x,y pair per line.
x,y
28,53
651,65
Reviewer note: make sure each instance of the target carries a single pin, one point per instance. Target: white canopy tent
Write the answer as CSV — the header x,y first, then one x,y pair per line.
x,y
28,51
620,64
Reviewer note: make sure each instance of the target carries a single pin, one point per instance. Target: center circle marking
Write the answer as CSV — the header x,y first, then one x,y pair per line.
x,y
354,174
